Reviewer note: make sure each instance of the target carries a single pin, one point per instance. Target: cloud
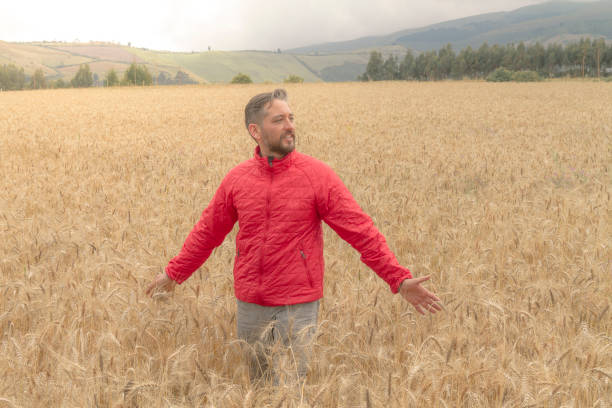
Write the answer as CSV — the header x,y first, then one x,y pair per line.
x,y
282,24
185,25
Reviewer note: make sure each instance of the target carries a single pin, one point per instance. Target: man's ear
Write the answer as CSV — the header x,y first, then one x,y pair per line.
x,y
254,131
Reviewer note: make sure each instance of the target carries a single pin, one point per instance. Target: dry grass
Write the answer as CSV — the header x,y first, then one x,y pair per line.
x,y
500,191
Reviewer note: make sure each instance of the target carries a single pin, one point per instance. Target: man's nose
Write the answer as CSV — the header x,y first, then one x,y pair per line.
x,y
289,125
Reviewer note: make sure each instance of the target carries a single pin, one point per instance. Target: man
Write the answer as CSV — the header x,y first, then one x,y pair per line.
x,y
279,198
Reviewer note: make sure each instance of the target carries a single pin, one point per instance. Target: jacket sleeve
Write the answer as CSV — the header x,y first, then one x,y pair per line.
x,y
340,211
209,232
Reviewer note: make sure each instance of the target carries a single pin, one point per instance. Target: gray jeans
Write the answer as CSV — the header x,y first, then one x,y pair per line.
x,y
278,338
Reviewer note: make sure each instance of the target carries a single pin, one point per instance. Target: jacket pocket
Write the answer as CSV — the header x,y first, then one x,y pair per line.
x,y
305,262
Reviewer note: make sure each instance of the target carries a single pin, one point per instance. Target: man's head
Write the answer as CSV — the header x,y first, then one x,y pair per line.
x,y
269,121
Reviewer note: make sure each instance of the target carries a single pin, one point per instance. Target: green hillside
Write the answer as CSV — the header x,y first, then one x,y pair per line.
x,y
222,66
62,60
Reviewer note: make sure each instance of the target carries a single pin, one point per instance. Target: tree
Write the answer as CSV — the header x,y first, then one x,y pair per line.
x,y
418,69
554,59
294,79
163,78
482,61
183,78
11,77
241,78
446,58
38,80
374,69
600,49
607,57
111,78
496,56
520,60
510,54
137,75
390,68
469,61
586,52
584,58
432,66
59,84
83,77
406,66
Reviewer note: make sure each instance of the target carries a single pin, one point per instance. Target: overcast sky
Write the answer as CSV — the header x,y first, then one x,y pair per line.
x,y
193,25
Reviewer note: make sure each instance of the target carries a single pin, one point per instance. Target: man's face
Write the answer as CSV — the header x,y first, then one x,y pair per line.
x,y
276,134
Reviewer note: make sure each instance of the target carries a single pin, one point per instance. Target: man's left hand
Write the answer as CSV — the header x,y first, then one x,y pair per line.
x,y
419,297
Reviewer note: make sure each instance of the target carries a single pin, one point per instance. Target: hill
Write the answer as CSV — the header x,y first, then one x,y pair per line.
x,y
62,60
559,22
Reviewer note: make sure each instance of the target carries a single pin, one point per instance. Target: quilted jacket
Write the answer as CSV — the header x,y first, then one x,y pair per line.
x,y
279,206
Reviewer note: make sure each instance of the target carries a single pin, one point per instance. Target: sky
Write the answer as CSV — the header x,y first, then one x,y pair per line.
x,y
194,25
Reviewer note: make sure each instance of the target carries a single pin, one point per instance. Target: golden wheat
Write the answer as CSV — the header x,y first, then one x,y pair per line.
x,y
500,191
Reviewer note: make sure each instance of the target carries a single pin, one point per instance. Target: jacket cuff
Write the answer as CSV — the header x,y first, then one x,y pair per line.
x,y
173,276
395,285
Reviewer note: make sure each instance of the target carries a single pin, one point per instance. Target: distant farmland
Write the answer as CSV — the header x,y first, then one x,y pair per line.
x,y
500,191
62,60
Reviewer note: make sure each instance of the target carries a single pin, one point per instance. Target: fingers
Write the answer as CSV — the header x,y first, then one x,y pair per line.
x,y
161,281
152,285
433,297
420,279
419,309
427,305
433,307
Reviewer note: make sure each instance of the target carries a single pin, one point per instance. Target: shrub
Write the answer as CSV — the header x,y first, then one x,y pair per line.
x,y
60,83
526,76
500,75
294,79
241,78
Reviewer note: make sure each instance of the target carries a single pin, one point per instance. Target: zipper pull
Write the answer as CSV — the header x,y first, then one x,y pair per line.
x,y
303,254
270,158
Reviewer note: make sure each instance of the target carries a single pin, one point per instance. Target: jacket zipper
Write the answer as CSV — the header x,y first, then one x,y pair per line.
x,y
266,226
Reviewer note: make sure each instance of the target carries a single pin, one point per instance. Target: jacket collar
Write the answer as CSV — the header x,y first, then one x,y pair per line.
x,y
275,165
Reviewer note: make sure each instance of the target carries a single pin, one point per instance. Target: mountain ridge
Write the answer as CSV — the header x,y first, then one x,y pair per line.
x,y
523,24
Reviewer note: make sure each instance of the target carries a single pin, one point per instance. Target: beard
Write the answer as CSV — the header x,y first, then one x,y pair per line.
x,y
284,145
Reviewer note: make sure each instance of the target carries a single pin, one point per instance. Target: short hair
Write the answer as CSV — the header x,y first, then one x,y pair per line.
x,y
255,109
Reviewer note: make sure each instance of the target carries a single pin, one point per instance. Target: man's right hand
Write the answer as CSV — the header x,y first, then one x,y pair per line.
x,y
162,282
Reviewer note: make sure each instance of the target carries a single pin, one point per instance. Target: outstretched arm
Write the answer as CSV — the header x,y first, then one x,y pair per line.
x,y
209,232
341,212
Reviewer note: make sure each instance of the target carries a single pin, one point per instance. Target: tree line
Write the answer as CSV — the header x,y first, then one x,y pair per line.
x,y
13,78
586,58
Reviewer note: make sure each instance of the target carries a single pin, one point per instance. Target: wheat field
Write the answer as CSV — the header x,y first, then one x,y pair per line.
x,y
500,192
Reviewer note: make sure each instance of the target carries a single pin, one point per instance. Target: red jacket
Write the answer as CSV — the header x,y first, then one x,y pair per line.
x,y
279,247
